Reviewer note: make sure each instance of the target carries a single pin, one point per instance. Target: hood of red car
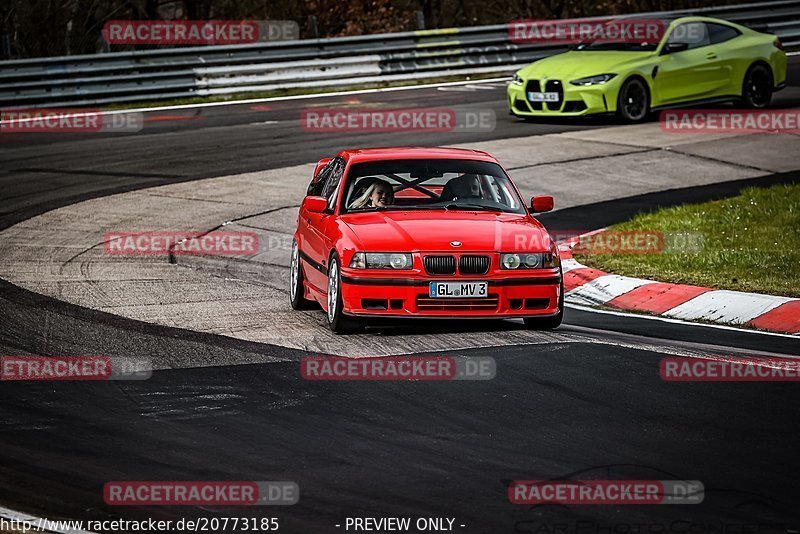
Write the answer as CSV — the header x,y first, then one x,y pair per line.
x,y
407,231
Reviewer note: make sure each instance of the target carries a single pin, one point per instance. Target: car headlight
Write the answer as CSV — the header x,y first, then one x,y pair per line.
x,y
535,260
381,260
593,80
517,79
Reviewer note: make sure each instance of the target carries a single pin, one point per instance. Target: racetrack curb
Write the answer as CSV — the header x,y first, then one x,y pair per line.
x,y
595,288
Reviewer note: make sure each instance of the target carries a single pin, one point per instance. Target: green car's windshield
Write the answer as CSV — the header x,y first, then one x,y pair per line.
x,y
652,31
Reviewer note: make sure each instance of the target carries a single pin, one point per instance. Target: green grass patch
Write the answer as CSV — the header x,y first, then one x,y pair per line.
x,y
750,242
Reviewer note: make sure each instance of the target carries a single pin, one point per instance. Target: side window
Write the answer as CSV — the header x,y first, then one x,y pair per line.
x,y
318,182
695,34
332,183
719,33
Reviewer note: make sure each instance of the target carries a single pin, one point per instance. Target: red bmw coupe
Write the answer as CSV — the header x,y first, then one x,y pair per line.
x,y
422,232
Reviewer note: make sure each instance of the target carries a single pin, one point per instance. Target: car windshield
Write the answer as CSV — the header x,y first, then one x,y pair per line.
x,y
430,184
652,29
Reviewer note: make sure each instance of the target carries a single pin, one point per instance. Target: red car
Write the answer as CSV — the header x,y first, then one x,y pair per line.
x,y
422,232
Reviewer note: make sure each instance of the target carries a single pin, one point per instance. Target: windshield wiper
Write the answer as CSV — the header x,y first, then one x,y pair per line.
x,y
454,205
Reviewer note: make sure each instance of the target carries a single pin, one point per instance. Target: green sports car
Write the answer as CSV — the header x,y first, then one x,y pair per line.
x,y
722,61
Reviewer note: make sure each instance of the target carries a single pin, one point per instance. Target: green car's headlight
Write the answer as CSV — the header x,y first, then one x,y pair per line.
x,y
517,79
381,260
593,80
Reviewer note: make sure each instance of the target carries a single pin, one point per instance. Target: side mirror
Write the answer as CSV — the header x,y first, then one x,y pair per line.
x,y
541,204
321,165
316,204
671,48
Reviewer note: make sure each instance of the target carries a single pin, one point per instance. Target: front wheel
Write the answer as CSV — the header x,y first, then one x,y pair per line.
x,y
296,289
757,87
633,103
337,320
548,323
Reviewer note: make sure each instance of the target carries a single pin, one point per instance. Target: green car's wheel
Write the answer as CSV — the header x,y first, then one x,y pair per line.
x,y
757,87
633,103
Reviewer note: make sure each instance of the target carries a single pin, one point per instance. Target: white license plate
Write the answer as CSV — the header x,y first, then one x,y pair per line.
x,y
448,290
543,97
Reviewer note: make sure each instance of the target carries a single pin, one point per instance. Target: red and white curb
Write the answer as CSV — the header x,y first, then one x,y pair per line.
x,y
591,287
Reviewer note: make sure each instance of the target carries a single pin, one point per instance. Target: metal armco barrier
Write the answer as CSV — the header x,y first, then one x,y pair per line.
x,y
313,63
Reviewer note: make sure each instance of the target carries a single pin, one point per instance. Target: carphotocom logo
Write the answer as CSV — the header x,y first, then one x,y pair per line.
x,y
398,368
200,493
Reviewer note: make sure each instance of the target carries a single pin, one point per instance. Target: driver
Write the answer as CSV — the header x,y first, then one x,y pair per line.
x,y
378,194
466,186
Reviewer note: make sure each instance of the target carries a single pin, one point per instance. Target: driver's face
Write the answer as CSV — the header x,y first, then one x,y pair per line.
x,y
474,188
381,196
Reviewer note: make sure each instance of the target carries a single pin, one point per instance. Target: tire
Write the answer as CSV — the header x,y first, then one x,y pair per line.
x,y
548,323
337,320
757,87
633,102
296,290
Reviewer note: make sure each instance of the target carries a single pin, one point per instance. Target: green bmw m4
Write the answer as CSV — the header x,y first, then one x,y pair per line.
x,y
695,60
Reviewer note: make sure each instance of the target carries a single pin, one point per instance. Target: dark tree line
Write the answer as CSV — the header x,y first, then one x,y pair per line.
x,y
35,28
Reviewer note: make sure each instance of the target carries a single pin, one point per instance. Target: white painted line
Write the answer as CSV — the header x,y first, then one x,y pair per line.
x,y
456,89
727,306
275,99
480,87
569,264
603,289
38,522
677,321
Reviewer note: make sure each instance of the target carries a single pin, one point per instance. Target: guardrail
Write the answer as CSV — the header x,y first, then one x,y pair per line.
x,y
164,74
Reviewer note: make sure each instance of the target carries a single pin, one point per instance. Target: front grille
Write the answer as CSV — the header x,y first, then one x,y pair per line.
x,y
460,304
533,87
440,264
473,264
554,86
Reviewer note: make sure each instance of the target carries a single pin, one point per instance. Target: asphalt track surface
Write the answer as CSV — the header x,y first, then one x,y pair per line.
x,y
442,449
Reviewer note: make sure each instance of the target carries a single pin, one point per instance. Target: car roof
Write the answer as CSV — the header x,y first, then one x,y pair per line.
x,y
410,152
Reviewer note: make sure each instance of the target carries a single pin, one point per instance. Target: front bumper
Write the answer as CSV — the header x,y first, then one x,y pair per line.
x,y
508,296
575,100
